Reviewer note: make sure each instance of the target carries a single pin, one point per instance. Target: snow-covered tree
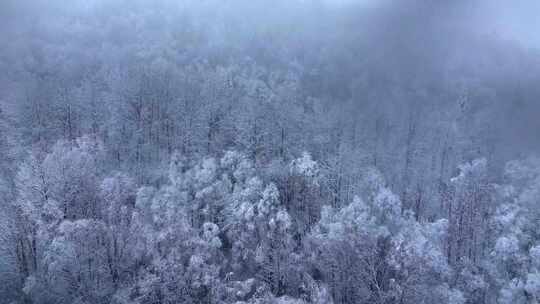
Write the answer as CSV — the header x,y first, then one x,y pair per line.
x,y
516,251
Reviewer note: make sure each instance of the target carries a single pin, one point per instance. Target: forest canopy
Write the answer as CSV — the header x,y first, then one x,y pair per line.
x,y
257,151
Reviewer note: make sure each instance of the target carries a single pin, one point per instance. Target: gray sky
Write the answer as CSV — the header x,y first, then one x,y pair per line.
x,y
513,19
516,19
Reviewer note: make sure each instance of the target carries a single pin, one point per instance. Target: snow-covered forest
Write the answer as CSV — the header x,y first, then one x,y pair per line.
x,y
269,151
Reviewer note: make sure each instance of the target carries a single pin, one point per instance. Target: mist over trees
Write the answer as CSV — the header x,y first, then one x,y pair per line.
x,y
284,151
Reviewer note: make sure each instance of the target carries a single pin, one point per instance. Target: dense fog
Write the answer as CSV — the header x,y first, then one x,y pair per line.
x,y
257,151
